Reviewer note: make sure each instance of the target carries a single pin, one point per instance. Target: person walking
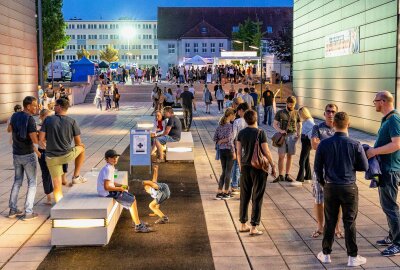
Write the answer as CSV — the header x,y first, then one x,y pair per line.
x,y
98,98
387,146
116,97
108,95
254,95
304,161
268,100
247,98
336,161
223,138
319,133
252,180
188,105
207,98
24,144
56,134
287,121
219,96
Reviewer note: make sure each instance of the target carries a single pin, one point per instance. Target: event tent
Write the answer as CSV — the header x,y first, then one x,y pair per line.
x,y
198,61
81,69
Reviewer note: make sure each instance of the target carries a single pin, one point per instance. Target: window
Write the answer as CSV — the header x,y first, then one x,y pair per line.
x,y
235,29
92,47
203,44
81,47
71,36
204,47
92,36
221,45
204,50
212,45
155,57
269,29
71,26
195,47
114,36
93,57
81,36
171,48
155,47
103,36
187,47
203,30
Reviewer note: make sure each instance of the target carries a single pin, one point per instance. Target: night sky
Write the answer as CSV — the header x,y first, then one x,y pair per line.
x,y
147,9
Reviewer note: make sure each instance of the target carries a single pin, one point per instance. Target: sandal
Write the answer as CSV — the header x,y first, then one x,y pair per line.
x,y
339,235
316,234
245,230
256,233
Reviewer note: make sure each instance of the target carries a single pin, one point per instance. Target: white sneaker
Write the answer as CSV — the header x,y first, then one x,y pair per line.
x,y
78,180
324,258
356,261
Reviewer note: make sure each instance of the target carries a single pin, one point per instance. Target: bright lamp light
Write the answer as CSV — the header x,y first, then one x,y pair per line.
x,y
127,32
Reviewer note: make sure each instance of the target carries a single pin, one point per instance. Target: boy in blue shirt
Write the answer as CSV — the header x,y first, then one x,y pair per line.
x,y
106,187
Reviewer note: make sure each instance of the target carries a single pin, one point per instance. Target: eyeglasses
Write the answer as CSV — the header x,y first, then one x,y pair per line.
x,y
377,100
329,111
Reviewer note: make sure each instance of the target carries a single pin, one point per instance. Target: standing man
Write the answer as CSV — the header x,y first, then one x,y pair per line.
x,y
56,136
254,95
187,101
268,100
25,142
387,148
336,162
247,98
287,121
321,132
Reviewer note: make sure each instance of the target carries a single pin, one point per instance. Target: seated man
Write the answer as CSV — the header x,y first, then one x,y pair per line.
x,y
172,132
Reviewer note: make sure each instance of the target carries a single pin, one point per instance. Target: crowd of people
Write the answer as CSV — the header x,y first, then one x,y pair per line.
x,y
108,93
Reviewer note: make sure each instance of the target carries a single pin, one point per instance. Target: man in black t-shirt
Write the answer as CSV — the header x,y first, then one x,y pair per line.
x,y
25,141
187,99
172,132
268,103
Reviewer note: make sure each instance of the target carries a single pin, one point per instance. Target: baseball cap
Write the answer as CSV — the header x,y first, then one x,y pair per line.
x,y
111,153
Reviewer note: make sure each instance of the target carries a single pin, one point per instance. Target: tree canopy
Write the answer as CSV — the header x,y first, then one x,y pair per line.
x,y
249,33
281,46
82,52
109,54
54,27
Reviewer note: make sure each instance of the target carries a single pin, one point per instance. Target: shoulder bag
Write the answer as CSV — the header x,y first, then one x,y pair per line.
x,y
258,159
278,138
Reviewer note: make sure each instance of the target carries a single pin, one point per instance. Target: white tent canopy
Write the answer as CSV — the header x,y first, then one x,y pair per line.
x,y
198,61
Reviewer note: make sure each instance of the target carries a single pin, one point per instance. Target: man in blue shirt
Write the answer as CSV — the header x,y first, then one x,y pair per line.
x,y
336,161
387,148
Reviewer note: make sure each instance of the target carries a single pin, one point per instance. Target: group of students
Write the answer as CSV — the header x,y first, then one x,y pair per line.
x,y
337,159
109,93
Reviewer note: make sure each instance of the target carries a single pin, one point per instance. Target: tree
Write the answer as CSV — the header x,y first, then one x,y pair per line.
x,y
249,33
109,54
54,27
82,53
281,46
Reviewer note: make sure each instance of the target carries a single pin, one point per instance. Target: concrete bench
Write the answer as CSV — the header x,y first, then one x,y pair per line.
x,y
82,218
182,150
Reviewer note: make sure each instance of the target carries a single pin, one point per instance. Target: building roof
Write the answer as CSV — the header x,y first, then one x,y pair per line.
x,y
175,22
204,30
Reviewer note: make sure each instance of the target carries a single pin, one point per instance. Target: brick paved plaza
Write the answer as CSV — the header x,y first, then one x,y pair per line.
x,y
286,215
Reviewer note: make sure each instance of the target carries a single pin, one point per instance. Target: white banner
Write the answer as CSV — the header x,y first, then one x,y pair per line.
x,y
343,43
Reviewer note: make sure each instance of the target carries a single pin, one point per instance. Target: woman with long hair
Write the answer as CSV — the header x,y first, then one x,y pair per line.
x,y
304,161
207,98
223,137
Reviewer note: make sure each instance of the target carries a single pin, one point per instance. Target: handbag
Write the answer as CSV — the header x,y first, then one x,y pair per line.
x,y
278,139
258,159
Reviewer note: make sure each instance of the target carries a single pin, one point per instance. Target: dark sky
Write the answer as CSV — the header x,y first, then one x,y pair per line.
x,y
147,9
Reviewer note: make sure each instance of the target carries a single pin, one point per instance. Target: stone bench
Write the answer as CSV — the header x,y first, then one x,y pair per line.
x,y
182,150
82,218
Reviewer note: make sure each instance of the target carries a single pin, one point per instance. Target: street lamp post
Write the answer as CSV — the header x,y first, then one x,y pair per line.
x,y
241,42
261,67
52,70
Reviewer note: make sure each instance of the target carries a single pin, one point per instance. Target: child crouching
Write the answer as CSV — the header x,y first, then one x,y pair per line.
x,y
106,187
160,193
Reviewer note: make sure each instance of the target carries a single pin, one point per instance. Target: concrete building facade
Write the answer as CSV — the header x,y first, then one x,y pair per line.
x,y
135,40
343,53
18,54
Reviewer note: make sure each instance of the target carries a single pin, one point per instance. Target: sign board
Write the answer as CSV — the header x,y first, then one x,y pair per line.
x,y
343,43
140,144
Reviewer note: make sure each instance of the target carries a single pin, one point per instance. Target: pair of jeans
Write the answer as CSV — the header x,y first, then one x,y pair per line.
x,y
46,177
98,104
388,190
226,158
235,174
187,117
220,104
304,161
268,114
252,186
336,196
108,103
24,164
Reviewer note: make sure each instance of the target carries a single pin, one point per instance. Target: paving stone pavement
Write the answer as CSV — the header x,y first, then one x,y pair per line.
x,y
287,215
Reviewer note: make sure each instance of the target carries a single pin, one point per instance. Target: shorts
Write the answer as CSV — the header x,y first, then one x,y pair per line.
x,y
163,193
55,164
289,146
164,139
125,199
318,192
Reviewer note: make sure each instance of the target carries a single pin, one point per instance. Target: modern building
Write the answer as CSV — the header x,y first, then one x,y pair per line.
x,y
186,32
18,54
135,40
344,52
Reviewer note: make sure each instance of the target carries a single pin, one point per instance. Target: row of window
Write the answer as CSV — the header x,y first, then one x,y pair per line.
x,y
204,45
108,26
235,29
110,36
118,47
122,57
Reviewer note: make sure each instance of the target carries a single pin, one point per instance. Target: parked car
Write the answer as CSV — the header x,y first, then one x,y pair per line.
x,y
61,71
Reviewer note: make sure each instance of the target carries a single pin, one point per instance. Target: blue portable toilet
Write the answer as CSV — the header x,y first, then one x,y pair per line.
x,y
81,69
